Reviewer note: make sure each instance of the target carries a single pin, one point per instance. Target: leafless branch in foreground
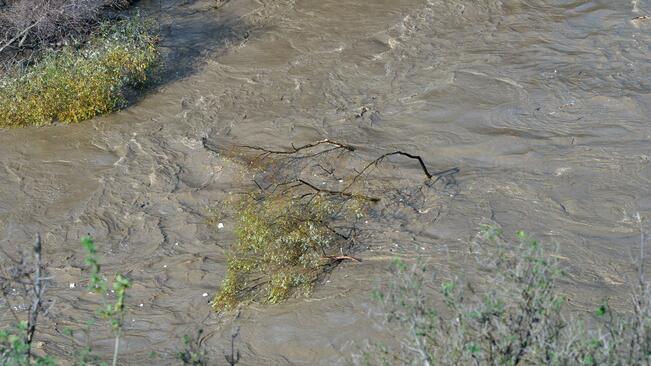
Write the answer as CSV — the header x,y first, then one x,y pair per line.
x,y
234,357
31,278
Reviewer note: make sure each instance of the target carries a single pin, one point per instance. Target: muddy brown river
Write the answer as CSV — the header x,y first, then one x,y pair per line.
x,y
543,105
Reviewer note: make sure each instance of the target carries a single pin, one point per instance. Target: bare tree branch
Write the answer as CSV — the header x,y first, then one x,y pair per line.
x,y
303,147
37,295
22,33
339,193
426,171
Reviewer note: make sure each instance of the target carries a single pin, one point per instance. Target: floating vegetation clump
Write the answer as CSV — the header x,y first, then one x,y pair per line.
x,y
283,246
302,221
75,84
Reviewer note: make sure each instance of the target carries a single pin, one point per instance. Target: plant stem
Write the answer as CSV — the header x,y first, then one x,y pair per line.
x,y
37,300
116,349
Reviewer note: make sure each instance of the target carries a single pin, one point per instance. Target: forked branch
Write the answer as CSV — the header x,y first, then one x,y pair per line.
x,y
337,193
415,157
295,149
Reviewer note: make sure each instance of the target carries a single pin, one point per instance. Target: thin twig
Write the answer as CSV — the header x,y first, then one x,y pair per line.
x,y
20,34
37,301
116,349
411,156
642,243
303,147
10,307
235,356
343,257
339,193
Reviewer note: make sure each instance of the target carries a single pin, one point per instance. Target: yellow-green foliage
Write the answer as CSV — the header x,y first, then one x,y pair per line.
x,y
282,248
72,85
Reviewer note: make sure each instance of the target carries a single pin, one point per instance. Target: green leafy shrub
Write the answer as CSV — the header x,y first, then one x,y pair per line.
x,y
113,312
193,353
517,318
16,341
75,84
283,245
16,348
15,351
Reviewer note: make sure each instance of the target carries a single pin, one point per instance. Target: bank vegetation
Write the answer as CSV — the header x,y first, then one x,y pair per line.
x,y
69,60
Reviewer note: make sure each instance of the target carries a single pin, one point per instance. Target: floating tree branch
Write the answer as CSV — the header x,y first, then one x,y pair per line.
x,y
420,160
295,149
294,230
339,193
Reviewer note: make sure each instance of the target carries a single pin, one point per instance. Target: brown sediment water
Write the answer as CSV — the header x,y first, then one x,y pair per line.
x,y
543,105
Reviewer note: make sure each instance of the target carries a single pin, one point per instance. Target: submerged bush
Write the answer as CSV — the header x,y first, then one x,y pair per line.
x,y
283,245
72,85
517,318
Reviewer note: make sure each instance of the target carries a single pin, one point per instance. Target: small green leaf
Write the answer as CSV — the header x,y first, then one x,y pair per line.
x,y
473,348
377,295
447,288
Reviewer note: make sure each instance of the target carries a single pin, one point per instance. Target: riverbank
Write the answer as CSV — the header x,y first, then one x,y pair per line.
x,y
78,78
75,84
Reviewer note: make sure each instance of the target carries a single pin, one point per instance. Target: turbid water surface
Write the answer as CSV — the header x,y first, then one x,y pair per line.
x,y
543,105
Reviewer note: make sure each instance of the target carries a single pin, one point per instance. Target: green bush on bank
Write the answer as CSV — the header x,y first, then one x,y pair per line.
x,y
513,317
75,84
